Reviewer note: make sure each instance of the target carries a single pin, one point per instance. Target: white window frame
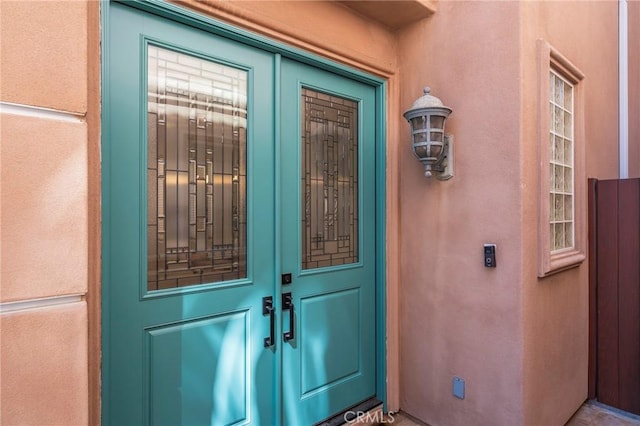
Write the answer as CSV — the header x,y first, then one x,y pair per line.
x,y
553,261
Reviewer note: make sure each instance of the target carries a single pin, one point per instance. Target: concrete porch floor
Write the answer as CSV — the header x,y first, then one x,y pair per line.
x,y
594,414
590,414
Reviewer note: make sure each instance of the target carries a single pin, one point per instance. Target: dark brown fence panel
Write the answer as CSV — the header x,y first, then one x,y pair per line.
x,y
617,273
629,294
607,291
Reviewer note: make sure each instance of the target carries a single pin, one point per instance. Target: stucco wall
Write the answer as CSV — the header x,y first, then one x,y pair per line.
x,y
556,308
45,149
458,317
326,28
520,342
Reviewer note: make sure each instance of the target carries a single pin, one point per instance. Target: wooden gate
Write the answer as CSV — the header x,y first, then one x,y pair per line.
x,y
614,250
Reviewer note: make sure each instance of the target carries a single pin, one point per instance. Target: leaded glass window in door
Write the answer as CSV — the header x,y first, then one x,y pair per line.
x,y
197,137
329,180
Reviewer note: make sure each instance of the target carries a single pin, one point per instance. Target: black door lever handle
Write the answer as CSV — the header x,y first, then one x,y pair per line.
x,y
267,309
287,304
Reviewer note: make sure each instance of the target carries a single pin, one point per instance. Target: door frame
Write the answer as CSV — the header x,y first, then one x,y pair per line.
x,y
185,16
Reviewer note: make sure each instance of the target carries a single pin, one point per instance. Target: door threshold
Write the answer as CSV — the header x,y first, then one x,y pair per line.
x,y
366,413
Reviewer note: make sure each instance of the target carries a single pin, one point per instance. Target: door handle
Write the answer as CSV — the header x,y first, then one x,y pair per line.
x,y
287,304
267,309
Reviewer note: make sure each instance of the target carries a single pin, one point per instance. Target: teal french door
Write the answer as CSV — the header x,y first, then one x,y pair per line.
x,y
238,232
328,241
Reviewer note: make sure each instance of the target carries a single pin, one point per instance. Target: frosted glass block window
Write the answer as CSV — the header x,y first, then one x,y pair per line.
x,y
196,171
561,164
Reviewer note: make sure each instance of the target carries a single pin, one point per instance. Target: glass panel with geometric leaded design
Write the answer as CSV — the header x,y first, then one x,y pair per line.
x,y
196,171
329,180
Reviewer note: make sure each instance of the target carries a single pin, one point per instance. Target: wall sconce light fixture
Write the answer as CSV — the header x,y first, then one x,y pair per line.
x,y
430,145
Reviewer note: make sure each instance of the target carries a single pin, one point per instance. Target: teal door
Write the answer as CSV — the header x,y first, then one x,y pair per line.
x,y
206,212
328,241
